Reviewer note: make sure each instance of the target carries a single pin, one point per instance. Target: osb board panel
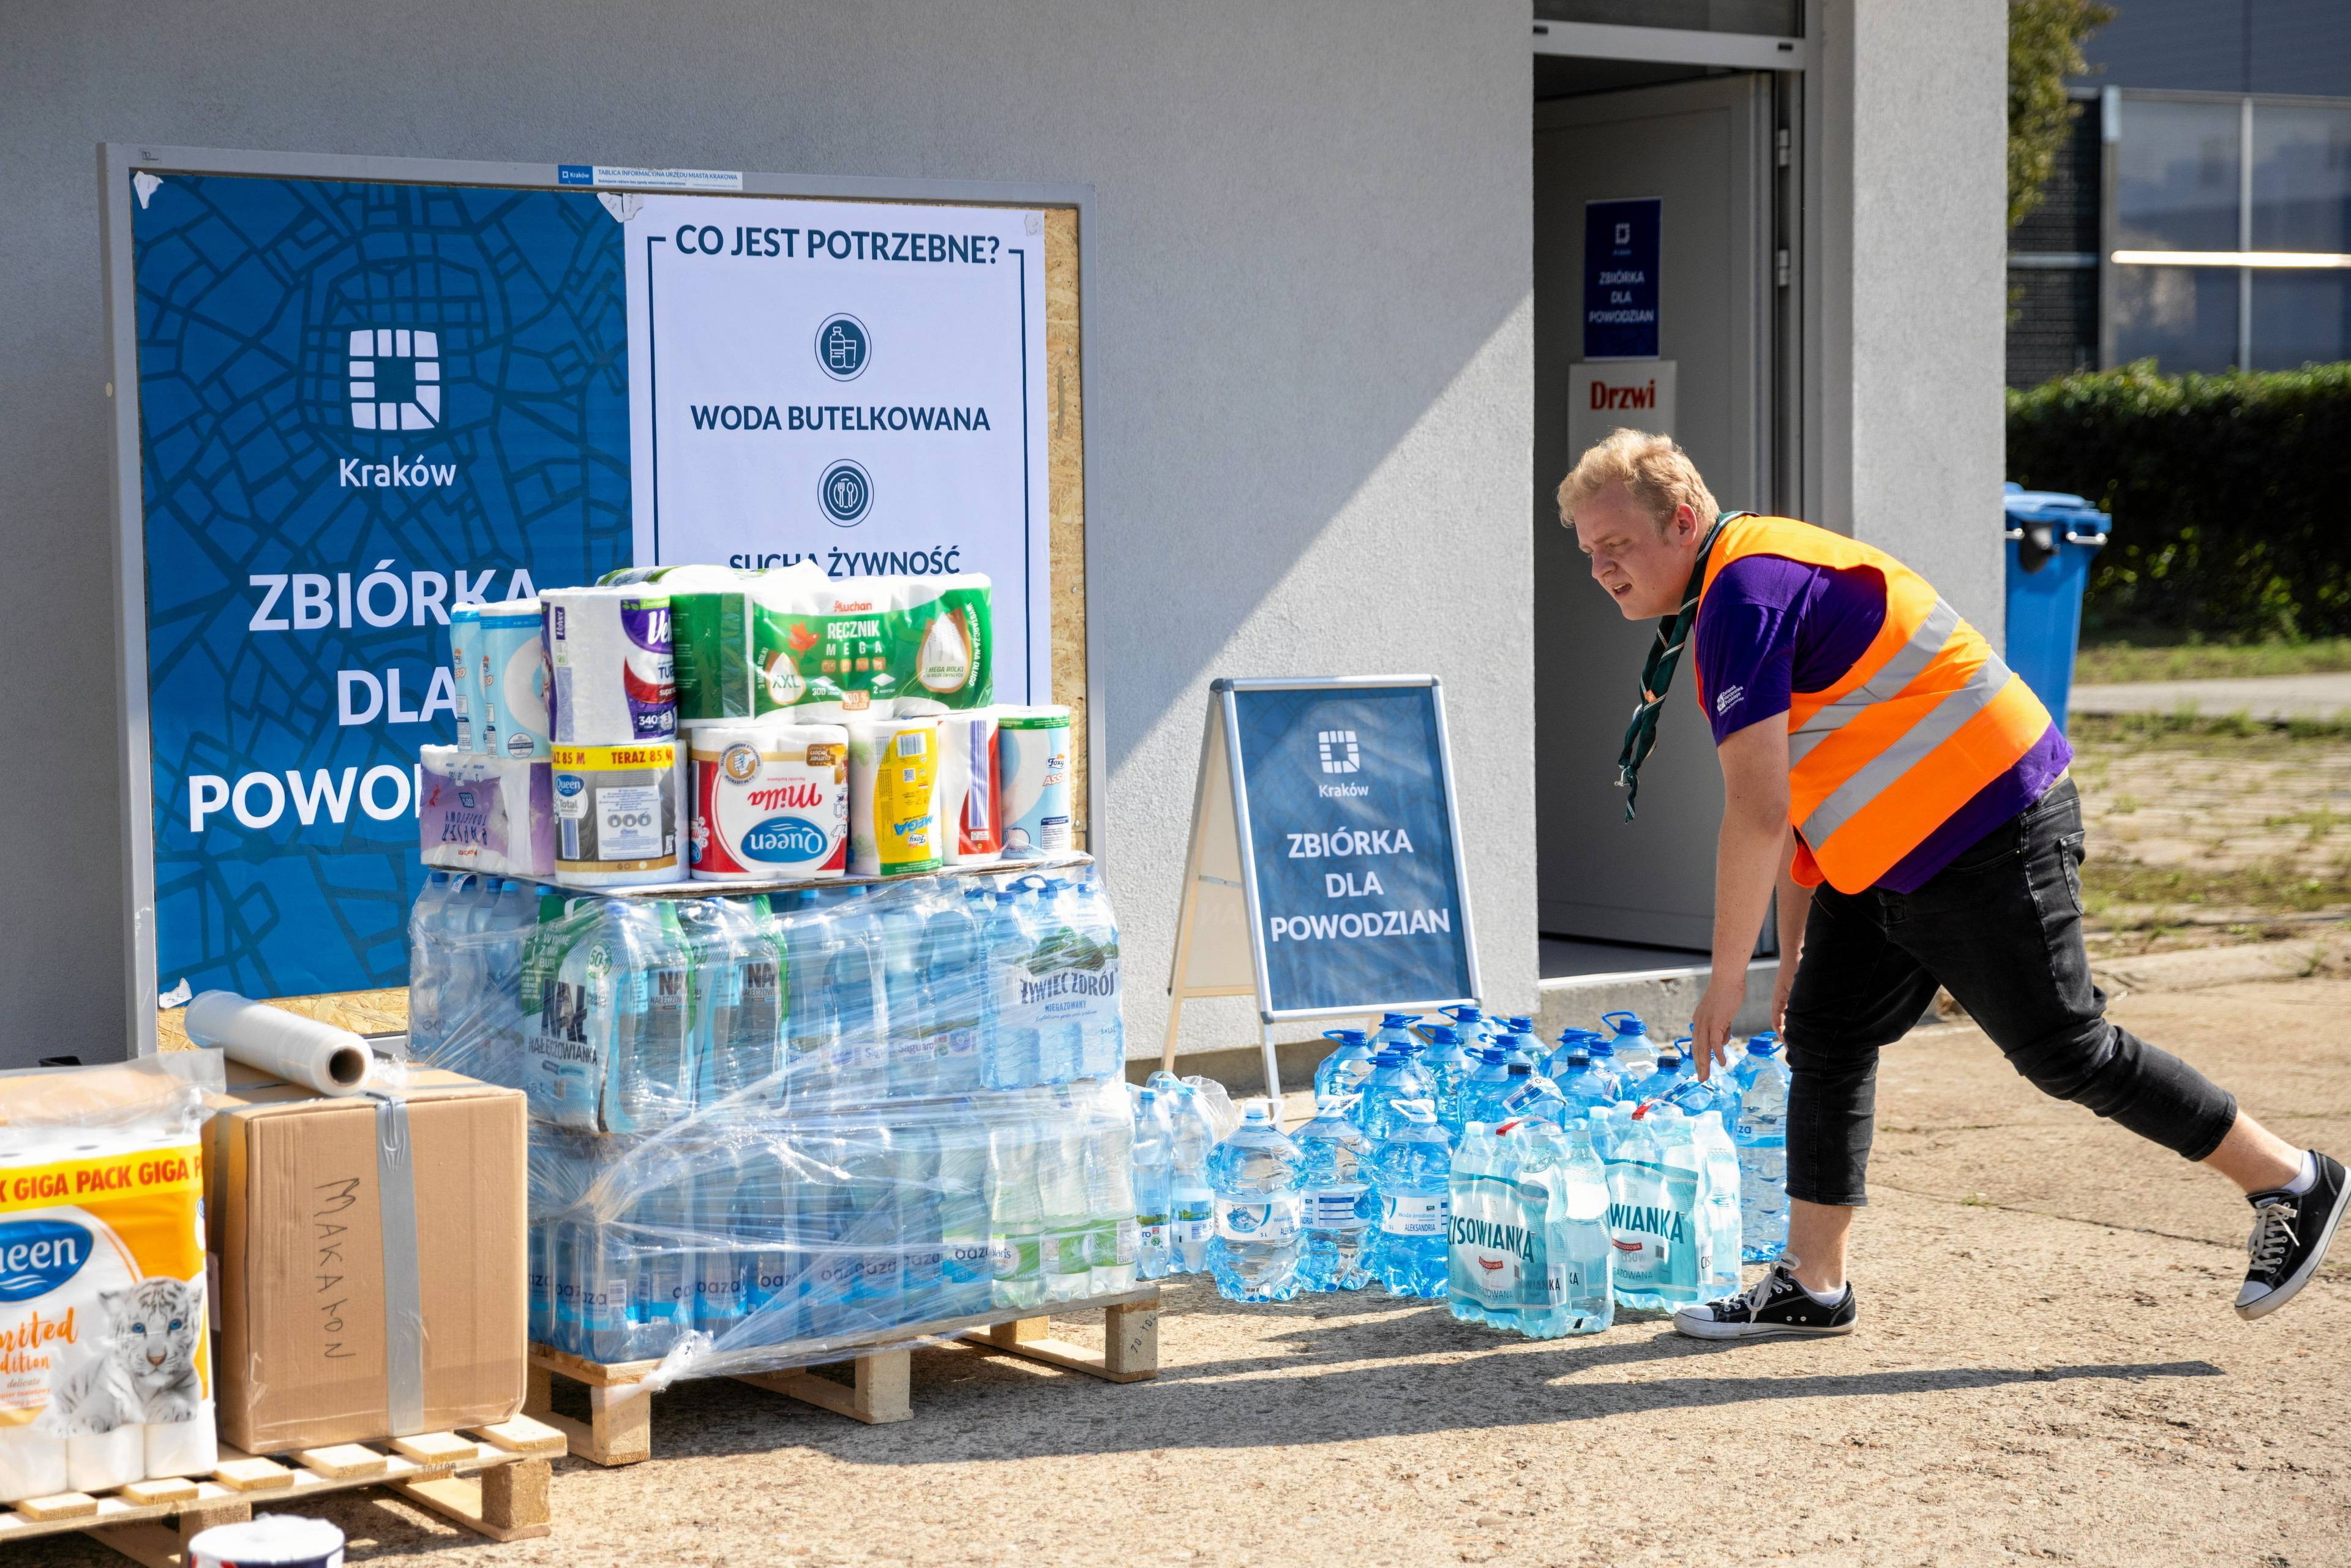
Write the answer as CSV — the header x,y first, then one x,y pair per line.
x,y
386,1011
1066,460
362,1012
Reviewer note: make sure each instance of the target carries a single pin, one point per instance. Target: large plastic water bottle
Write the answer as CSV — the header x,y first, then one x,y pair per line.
x,y
764,1225
1337,1219
1342,1072
1474,1028
1256,1174
1395,1029
955,973
967,1258
1529,1096
1649,1232
1717,1203
1191,1203
1155,1171
1690,1262
1486,1241
427,963
1068,1255
1759,1131
1636,1054
1481,1094
1661,1083
1111,1240
1016,1218
1579,1081
1577,1247
914,1165
877,1224
1009,1043
1412,1170
1449,1065
857,987
1397,1076
910,1058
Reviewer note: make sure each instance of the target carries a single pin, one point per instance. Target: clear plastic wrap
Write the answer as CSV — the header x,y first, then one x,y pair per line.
x,y
767,1127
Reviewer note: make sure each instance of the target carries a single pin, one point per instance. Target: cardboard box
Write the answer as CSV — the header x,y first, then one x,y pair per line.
x,y
294,1220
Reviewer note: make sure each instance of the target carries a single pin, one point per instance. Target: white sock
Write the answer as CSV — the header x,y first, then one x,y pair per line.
x,y
1824,1298
2309,1177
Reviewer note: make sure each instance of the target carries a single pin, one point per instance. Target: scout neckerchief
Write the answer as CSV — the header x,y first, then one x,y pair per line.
x,y
1658,671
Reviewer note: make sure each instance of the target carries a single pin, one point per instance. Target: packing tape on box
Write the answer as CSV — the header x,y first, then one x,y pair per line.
x,y
404,1305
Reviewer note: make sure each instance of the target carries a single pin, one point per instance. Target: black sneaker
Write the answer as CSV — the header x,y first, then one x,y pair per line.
x,y
1774,1305
2291,1231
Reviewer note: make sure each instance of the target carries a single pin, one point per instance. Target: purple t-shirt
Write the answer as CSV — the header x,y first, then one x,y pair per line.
x,y
1770,627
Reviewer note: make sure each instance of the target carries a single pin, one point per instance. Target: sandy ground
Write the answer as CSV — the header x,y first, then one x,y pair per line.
x,y
2047,1370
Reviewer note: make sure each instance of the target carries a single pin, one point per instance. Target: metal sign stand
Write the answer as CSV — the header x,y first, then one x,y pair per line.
x,y
1218,948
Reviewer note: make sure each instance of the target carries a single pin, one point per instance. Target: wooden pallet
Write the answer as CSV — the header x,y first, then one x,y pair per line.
x,y
619,1429
494,1481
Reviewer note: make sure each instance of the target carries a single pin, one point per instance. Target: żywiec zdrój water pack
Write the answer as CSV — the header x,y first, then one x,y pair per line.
x,y
1412,1168
1256,1174
1338,1218
1760,1135
766,1125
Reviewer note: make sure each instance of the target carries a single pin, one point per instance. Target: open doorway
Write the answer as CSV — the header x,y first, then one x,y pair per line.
x,y
1659,196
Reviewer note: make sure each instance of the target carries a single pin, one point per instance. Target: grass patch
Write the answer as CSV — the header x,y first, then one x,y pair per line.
x,y
2116,662
2112,887
2234,734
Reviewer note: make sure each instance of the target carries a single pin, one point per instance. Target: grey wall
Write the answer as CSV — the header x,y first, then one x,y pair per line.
x,y
1911,264
1306,316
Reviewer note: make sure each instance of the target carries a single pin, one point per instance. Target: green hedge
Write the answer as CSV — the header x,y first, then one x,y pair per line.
x,y
2226,494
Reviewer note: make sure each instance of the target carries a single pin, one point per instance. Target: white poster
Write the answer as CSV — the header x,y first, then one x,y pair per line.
x,y
1604,395
854,383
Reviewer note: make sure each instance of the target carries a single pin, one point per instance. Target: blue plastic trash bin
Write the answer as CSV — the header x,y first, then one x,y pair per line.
x,y
2051,539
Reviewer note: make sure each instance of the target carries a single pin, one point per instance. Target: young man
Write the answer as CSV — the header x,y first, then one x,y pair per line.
x,y
1907,796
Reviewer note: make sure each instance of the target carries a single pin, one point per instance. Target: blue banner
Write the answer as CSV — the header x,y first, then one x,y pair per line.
x,y
1620,279
360,405
1351,840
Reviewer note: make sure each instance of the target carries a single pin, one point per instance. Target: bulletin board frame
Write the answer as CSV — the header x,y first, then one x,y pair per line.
x,y
1076,659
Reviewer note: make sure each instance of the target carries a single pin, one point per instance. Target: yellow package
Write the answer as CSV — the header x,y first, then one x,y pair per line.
x,y
105,1373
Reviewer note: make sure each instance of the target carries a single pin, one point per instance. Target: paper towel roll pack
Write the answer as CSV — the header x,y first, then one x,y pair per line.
x,y
1033,747
893,797
769,801
616,814
511,681
792,641
490,814
614,675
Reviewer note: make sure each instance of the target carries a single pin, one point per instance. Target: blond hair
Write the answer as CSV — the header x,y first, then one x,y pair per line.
x,y
1658,474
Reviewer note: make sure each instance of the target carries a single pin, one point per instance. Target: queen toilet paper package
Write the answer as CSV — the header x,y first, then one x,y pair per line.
x,y
105,1375
614,676
770,801
970,790
893,797
616,814
511,679
464,619
1033,750
490,814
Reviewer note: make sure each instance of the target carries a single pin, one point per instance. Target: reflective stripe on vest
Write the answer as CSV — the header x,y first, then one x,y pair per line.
x,y
1928,715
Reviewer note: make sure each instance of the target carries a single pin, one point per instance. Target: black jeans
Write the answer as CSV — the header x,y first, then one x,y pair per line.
x,y
2001,928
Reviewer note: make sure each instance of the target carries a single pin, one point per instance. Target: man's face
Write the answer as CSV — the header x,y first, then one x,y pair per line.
x,y
1642,568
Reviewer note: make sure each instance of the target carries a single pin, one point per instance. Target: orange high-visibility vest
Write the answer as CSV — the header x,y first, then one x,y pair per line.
x,y
1927,717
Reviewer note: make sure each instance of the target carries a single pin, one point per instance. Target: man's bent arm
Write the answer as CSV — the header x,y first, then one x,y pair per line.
x,y
1750,858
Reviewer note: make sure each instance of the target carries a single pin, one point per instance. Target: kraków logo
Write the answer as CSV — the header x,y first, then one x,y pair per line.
x,y
1339,751
395,379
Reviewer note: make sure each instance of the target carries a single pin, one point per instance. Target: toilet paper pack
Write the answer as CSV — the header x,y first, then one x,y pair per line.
x,y
105,1373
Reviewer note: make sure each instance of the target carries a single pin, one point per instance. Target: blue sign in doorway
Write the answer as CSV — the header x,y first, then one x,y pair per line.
x,y
1620,279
